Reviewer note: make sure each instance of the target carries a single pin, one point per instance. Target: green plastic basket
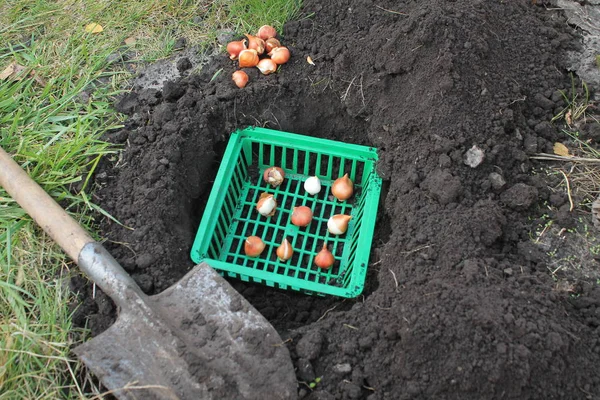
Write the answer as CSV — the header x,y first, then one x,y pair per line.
x,y
230,215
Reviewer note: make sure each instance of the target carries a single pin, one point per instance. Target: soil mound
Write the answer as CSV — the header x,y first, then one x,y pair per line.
x,y
459,301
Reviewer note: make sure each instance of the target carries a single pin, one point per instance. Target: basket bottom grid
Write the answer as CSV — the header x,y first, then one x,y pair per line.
x,y
307,242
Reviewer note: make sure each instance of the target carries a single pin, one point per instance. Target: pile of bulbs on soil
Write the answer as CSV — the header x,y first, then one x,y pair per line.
x,y
248,56
342,189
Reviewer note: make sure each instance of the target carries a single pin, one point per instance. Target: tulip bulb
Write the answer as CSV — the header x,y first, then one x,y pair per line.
x,y
240,78
248,58
256,43
253,246
338,224
266,32
267,66
280,55
312,185
324,259
302,216
234,48
342,188
266,205
274,176
285,251
271,43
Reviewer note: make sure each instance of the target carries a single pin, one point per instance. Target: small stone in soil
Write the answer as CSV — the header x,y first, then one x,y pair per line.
x,y
344,368
474,157
497,180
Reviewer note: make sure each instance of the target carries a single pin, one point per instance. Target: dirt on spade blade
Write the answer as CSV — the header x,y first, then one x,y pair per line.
x,y
459,301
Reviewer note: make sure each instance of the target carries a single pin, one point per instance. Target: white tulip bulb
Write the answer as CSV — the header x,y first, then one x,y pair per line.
x,y
312,185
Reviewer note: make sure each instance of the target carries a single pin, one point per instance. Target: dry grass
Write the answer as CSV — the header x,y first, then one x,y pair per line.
x,y
581,168
573,252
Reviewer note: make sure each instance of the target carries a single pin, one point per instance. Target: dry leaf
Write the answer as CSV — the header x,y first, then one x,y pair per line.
x,y
94,28
568,118
561,150
309,60
16,72
129,41
13,72
8,71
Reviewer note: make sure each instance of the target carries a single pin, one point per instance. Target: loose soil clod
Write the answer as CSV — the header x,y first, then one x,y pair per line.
x,y
471,311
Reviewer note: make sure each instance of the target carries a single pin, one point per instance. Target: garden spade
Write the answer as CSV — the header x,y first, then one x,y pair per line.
x,y
199,339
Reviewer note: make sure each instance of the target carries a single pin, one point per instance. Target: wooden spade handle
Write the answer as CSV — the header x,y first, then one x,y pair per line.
x,y
65,231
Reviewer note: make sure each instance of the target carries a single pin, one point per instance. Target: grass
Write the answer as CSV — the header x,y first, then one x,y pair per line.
x,y
36,334
52,119
577,103
583,156
572,252
55,137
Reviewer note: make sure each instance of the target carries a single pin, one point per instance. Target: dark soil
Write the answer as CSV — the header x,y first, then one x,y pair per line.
x,y
459,301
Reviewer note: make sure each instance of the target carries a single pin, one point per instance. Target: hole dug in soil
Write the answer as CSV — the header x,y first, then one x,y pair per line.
x,y
459,302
